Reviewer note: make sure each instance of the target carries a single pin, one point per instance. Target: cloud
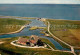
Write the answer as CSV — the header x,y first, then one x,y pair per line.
x,y
42,1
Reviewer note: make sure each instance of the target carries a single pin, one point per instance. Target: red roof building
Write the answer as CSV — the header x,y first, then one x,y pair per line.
x,y
22,41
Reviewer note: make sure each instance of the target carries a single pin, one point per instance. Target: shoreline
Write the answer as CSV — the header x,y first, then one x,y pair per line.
x,y
36,18
17,17
65,19
14,31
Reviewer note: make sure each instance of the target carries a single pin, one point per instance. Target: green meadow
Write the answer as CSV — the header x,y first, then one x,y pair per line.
x,y
10,25
66,30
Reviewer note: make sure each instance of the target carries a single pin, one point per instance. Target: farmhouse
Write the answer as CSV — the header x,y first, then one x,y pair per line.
x,y
32,41
22,41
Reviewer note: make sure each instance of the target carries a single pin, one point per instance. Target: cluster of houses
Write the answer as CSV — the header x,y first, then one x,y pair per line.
x,y
32,41
41,19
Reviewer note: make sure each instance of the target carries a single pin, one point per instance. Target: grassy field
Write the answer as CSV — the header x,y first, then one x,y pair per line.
x,y
34,28
66,30
11,25
53,53
8,49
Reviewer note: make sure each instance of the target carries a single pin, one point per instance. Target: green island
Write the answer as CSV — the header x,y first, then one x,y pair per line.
x,y
10,25
34,28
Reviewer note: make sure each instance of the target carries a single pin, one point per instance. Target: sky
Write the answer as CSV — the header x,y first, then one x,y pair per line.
x,y
39,1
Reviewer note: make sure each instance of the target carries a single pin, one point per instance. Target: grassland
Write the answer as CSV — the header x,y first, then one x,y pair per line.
x,y
66,30
8,49
52,53
10,25
34,28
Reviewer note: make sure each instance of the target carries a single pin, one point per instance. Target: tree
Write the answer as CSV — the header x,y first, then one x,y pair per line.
x,y
40,43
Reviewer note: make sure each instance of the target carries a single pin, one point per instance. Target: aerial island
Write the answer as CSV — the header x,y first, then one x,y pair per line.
x,y
38,36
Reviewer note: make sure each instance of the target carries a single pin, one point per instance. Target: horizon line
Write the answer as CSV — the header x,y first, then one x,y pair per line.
x,y
36,3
